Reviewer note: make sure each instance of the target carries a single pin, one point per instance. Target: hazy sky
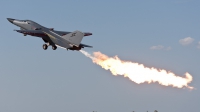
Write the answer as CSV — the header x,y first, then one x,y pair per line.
x,y
156,33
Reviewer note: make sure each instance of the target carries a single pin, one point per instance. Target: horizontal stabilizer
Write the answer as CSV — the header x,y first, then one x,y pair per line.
x,y
84,45
87,34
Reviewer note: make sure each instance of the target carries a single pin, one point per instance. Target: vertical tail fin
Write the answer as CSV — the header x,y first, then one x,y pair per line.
x,y
74,38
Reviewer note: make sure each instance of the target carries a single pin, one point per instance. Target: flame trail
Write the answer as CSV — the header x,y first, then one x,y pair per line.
x,y
138,73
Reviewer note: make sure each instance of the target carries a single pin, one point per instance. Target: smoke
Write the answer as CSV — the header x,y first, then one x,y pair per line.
x,y
138,73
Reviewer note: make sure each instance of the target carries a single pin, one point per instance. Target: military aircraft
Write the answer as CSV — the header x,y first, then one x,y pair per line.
x,y
67,40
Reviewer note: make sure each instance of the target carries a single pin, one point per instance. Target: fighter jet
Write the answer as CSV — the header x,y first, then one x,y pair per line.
x,y
51,37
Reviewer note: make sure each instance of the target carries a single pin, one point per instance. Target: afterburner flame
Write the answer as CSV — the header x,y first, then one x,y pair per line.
x,y
138,73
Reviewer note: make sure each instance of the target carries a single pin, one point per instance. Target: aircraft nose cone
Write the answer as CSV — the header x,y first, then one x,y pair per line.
x,y
10,19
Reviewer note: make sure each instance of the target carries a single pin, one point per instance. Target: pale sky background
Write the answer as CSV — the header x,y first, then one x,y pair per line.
x,y
157,33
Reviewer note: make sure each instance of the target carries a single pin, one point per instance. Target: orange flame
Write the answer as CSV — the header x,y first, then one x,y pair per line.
x,y
138,73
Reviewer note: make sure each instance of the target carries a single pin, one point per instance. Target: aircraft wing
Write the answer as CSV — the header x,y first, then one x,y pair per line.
x,y
64,33
29,31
